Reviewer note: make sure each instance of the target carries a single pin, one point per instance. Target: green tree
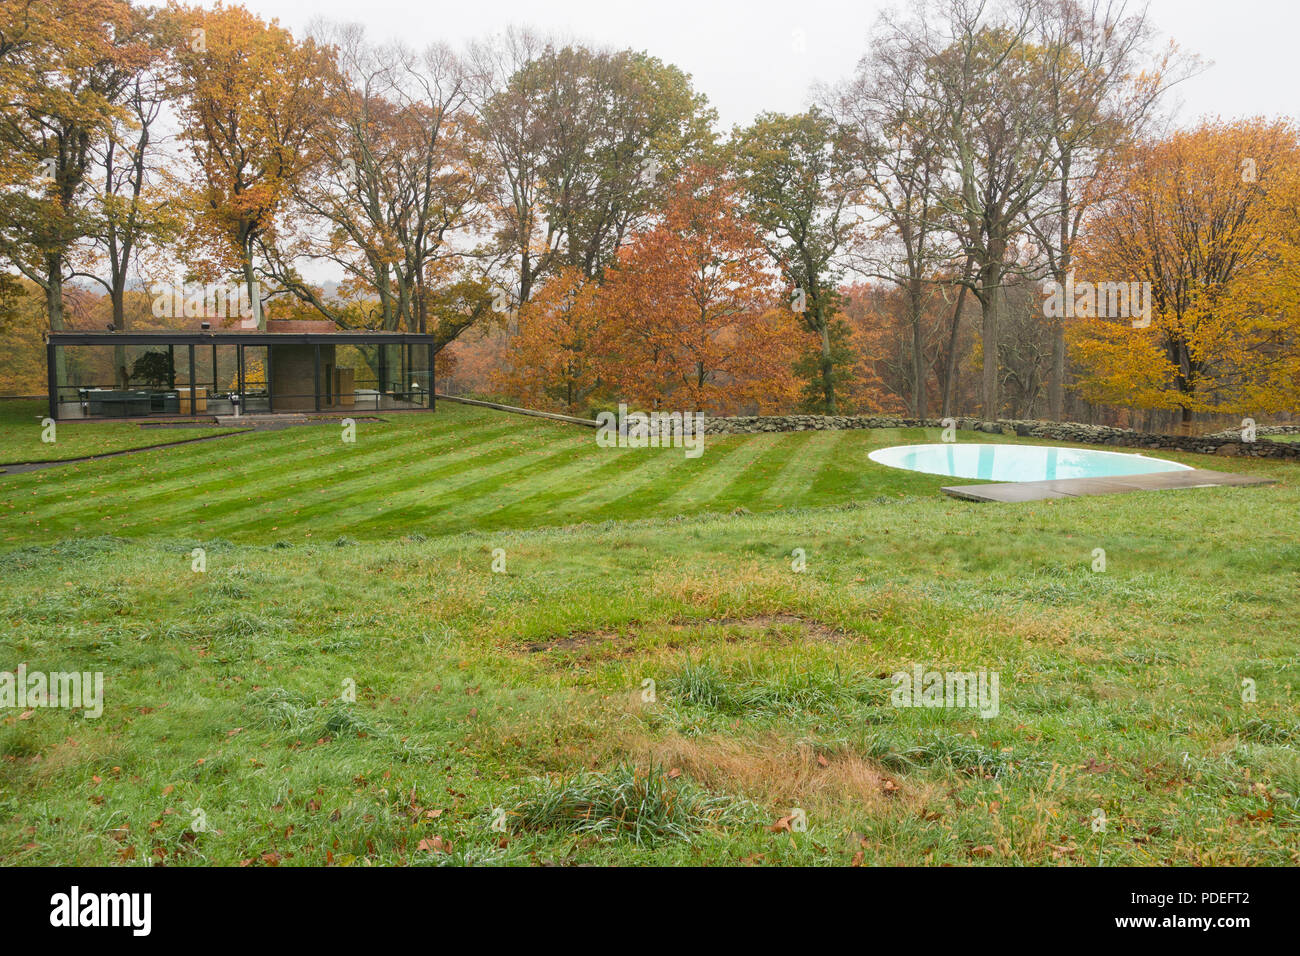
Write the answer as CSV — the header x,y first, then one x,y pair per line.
x,y
580,141
800,179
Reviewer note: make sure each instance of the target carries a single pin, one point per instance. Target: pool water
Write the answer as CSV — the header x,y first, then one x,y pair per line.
x,y
1018,462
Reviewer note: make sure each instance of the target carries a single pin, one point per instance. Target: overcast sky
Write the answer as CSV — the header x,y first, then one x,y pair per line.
x,y
749,55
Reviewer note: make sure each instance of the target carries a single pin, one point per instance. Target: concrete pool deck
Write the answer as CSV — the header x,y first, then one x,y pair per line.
x,y
1078,487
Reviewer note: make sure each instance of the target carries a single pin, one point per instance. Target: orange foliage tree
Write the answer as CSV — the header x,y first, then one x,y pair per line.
x,y
691,314
556,358
879,337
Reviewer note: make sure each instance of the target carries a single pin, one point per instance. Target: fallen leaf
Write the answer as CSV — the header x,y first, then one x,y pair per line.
x,y
435,844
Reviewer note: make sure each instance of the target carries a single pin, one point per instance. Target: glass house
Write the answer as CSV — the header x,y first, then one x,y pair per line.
x,y
188,374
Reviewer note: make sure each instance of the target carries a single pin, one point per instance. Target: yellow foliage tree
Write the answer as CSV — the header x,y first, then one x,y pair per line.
x,y
255,100
1207,220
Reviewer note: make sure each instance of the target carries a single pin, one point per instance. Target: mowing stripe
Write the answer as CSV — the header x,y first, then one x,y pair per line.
x,y
487,489
800,472
656,469
225,500
745,487
659,471
571,470
219,499
843,464
499,456
722,467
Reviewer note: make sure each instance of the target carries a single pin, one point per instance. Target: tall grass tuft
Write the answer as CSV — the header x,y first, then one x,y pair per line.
x,y
643,805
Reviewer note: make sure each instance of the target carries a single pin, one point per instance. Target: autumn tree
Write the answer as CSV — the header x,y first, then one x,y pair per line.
x,y
880,321
135,206
400,180
1101,83
62,70
1205,220
800,185
556,358
901,168
580,140
691,311
981,80
255,99
22,327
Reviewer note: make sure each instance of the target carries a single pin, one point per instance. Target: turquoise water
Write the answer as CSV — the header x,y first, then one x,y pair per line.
x,y
1018,462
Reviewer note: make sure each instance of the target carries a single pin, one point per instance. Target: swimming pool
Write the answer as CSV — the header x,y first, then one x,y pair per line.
x,y
1018,462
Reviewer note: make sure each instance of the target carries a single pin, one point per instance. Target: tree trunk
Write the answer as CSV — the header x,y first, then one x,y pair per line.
x,y
950,371
525,279
1056,376
421,306
118,296
54,308
918,353
54,292
253,297
828,375
990,283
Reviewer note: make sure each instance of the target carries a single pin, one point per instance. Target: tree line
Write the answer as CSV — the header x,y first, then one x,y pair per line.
x,y
572,222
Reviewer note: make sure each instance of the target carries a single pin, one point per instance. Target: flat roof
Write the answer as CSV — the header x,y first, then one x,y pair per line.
x,y
244,337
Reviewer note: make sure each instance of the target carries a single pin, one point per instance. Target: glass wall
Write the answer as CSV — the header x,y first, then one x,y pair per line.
x,y
120,381
256,391
420,375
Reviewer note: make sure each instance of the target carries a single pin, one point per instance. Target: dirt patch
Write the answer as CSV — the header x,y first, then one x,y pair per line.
x,y
813,630
763,623
574,641
775,774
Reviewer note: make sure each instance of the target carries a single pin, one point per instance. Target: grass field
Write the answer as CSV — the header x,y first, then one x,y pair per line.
x,y
459,469
21,429
646,678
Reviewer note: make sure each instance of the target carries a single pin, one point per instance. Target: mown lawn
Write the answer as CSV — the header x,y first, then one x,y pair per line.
x,y
507,717
21,431
459,469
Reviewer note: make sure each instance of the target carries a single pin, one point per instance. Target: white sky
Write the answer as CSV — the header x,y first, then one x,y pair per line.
x,y
747,56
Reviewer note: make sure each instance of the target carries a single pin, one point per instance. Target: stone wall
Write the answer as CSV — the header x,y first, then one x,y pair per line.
x,y
1260,430
1222,444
